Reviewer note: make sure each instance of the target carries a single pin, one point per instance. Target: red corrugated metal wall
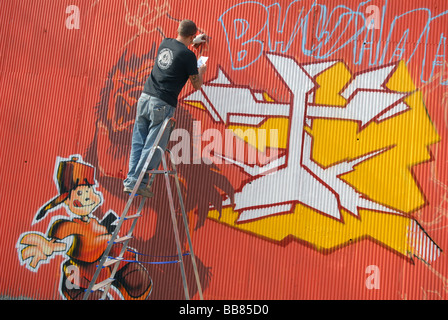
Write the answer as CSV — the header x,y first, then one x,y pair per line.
x,y
338,112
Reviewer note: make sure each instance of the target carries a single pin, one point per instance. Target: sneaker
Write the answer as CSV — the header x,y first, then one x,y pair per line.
x,y
141,191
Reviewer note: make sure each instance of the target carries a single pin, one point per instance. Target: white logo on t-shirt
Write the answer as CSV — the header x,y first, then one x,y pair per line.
x,y
165,58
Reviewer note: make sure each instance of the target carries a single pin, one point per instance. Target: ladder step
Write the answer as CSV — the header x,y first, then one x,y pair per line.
x,y
122,239
111,261
102,284
135,216
161,172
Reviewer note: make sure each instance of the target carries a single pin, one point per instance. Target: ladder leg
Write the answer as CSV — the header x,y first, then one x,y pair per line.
x,y
123,249
129,203
175,229
106,252
186,225
167,124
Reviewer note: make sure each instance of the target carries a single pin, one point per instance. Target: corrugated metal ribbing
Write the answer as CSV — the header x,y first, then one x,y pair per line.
x,y
312,159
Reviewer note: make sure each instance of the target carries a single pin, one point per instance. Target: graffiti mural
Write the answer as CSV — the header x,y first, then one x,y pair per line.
x,y
76,184
323,31
313,154
345,185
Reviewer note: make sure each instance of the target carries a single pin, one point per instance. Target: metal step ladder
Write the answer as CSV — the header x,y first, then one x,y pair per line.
x,y
106,261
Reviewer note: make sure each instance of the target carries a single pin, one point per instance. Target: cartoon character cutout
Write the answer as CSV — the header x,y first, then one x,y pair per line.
x,y
77,192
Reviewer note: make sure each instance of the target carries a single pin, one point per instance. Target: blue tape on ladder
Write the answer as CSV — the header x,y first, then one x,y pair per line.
x,y
147,255
149,262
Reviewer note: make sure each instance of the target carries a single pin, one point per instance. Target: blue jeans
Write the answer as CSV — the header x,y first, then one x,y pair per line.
x,y
151,112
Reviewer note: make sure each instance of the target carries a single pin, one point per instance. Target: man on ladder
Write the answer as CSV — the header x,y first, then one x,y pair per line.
x,y
175,64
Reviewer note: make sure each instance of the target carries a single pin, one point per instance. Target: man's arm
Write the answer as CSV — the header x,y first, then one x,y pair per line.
x,y
196,80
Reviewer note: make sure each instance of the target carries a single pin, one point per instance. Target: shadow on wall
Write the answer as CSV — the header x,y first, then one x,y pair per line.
x,y
110,149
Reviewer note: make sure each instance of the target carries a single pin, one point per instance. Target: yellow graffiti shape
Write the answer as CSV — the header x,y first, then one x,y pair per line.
x,y
386,178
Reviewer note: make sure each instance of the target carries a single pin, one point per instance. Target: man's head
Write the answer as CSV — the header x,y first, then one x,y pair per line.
x,y
187,30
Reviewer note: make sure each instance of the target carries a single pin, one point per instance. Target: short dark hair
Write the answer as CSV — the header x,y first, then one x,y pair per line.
x,y
187,28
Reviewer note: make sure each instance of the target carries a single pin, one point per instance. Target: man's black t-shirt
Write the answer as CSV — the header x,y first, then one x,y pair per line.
x,y
173,66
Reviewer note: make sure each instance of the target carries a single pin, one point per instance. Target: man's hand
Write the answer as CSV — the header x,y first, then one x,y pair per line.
x,y
202,69
200,39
